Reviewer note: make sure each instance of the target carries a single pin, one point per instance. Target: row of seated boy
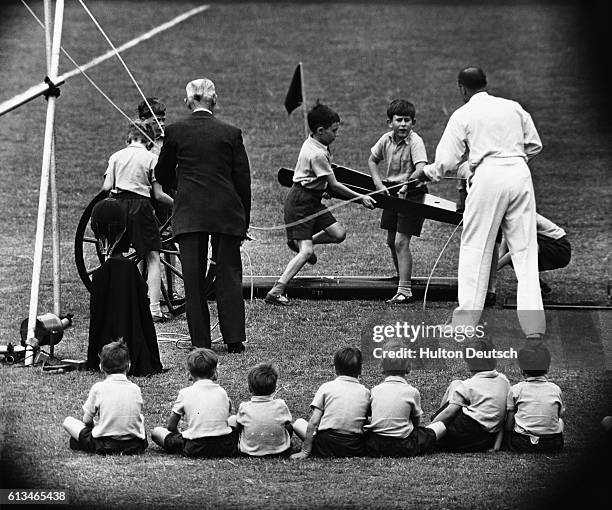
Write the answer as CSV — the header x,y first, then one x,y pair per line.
x,y
347,419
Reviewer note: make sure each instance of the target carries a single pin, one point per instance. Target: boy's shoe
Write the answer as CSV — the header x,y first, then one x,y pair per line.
x,y
273,299
312,260
164,317
399,299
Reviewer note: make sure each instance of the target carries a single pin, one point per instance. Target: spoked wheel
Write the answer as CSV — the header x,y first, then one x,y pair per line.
x,y
88,258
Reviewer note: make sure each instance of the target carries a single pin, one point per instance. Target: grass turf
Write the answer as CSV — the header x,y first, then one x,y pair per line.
x,y
356,58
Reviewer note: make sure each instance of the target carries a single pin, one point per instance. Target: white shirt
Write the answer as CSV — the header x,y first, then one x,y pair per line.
x,y
394,402
399,155
483,398
118,402
205,407
263,420
485,127
313,165
538,405
344,402
132,169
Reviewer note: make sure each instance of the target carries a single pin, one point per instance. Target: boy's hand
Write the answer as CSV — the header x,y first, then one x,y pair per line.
x,y
367,202
299,456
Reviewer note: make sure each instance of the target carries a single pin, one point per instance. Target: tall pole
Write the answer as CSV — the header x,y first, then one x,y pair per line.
x,y
44,184
304,112
53,183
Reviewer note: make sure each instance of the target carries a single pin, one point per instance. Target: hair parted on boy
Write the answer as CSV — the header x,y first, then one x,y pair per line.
x,y
401,108
321,115
139,131
115,358
262,379
347,361
202,363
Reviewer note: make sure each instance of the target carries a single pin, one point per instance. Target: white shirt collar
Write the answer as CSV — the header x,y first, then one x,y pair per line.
x,y
116,377
201,109
396,378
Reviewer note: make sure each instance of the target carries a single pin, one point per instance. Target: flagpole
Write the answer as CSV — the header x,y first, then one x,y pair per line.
x,y
44,186
304,112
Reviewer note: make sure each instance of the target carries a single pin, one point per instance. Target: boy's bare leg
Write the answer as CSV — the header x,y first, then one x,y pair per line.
x,y
438,427
158,434
391,245
334,234
154,282
305,251
404,263
73,427
299,428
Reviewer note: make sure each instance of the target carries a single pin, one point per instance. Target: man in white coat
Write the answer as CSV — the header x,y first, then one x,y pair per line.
x,y
499,137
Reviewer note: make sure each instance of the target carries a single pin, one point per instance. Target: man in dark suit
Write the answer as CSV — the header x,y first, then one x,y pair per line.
x,y
207,160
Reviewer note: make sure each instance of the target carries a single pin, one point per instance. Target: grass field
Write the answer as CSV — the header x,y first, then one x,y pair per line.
x,y
356,58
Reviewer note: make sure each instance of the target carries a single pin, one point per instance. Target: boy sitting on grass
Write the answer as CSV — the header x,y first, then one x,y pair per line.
x,y
313,175
205,407
118,404
535,406
402,151
264,422
474,410
394,429
339,411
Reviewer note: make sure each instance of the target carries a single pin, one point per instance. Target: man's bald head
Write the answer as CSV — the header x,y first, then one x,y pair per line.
x,y
472,78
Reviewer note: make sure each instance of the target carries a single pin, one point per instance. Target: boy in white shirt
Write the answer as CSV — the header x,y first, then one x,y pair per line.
x,y
118,404
264,422
394,429
474,410
339,411
535,406
402,152
205,409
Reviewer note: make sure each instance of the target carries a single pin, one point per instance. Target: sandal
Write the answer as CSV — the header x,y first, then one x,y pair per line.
x,y
399,298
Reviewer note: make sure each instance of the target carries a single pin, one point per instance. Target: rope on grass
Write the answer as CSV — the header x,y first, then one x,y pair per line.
x,y
117,54
82,71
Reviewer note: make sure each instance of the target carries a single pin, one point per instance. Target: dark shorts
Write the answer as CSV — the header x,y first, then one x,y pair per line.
x,y
209,447
523,443
553,253
107,445
464,434
330,443
142,230
301,203
420,441
408,224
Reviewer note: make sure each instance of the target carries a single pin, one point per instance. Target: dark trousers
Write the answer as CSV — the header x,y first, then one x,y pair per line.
x,y
193,249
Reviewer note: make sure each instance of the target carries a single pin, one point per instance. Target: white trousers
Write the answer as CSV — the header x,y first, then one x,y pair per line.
x,y
501,194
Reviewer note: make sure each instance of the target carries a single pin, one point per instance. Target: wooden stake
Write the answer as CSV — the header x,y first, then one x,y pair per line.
x,y
304,112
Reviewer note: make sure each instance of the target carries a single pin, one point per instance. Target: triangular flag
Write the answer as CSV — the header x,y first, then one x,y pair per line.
x,y
294,94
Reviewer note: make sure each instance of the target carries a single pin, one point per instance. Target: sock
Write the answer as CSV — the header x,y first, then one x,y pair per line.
x,y
404,287
155,309
278,289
